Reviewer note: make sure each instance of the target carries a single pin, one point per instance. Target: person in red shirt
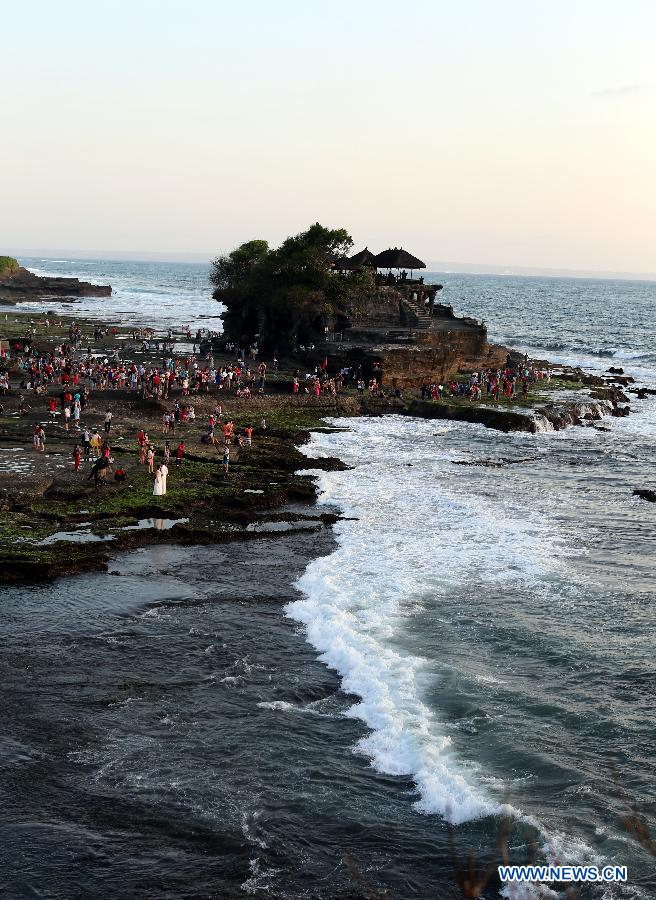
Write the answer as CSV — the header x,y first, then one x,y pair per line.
x,y
179,453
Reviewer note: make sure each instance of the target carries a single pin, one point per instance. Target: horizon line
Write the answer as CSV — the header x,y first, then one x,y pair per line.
x,y
446,267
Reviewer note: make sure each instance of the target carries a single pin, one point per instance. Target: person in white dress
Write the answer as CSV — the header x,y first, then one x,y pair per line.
x,y
164,469
158,488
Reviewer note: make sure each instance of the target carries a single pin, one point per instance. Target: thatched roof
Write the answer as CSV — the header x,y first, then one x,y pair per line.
x,y
363,258
397,258
357,261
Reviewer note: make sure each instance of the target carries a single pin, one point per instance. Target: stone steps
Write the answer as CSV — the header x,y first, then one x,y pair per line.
x,y
423,318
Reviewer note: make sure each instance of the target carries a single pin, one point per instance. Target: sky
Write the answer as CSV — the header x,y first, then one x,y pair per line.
x,y
500,133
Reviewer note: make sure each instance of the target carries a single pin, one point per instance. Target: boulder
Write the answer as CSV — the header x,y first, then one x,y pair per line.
x,y
645,494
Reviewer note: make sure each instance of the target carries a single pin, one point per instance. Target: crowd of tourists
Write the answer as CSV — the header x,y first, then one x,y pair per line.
x,y
493,384
176,379
40,370
76,374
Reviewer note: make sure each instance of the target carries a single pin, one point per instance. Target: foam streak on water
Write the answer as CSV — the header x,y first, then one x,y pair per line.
x,y
486,620
357,600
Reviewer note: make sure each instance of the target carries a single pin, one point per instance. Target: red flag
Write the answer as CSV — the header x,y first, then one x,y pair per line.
x,y
324,364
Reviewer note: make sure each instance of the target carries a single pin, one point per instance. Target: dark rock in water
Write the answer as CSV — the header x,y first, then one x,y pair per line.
x,y
489,463
643,393
18,284
578,375
624,380
620,411
645,494
500,419
561,416
616,371
614,394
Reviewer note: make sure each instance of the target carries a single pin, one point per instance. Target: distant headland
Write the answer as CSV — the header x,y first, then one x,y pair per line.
x,y
18,284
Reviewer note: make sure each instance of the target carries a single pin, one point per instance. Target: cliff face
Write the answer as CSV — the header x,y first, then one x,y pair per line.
x,y
406,341
17,284
436,359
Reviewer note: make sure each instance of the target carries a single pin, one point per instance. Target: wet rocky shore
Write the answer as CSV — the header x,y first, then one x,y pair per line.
x,y
57,523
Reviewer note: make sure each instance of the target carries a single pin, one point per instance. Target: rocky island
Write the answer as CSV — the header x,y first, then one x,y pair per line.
x,y
309,333
18,284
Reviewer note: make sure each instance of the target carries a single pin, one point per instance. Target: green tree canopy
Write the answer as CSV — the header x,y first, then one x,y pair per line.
x,y
288,295
228,271
8,265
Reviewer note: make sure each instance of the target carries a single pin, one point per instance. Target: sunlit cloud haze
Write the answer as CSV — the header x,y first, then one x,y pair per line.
x,y
502,133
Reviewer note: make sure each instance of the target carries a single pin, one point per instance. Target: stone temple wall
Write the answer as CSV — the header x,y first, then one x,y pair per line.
x,y
381,309
438,357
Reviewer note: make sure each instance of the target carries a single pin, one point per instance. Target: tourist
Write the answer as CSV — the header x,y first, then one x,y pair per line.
x,y
158,486
108,421
95,443
166,453
226,459
143,447
164,469
151,459
77,457
179,453
86,444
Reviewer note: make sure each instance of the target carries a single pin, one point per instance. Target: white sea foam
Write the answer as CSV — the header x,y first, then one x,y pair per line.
x,y
414,536
285,706
356,600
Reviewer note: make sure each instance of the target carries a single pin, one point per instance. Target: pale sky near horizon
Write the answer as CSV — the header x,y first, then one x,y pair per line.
x,y
505,133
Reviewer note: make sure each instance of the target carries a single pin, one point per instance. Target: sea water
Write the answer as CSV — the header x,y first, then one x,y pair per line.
x,y
477,641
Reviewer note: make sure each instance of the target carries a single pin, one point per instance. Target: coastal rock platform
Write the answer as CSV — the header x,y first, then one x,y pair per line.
x,y
18,284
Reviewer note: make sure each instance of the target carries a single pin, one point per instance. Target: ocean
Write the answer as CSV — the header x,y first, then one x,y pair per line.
x,y
287,717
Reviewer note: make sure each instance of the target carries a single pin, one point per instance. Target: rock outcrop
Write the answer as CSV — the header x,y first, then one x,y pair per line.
x,y
17,284
404,338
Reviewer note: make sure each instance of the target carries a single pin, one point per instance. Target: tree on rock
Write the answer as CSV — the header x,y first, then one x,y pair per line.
x,y
287,296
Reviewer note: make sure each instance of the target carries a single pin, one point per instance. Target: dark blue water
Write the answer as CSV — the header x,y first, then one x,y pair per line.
x,y
488,637
593,322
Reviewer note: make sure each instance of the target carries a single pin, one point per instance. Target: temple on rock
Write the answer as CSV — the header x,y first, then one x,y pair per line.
x,y
375,312
398,329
